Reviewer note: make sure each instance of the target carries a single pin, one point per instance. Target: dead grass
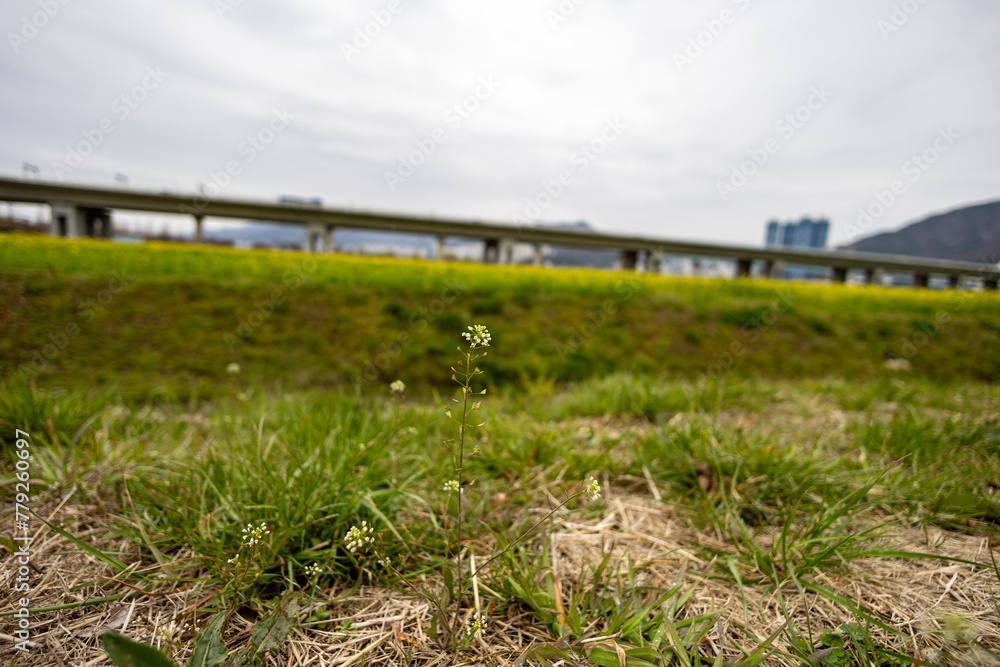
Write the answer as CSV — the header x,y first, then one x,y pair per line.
x,y
385,627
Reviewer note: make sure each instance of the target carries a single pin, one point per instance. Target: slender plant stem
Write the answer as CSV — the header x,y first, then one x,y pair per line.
x,y
73,605
526,533
461,461
433,599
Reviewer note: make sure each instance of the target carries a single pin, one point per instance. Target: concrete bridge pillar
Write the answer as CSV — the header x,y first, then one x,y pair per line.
x,y
954,281
653,262
98,223
874,276
491,251
199,228
743,267
628,260
775,269
65,221
839,274
72,221
314,237
506,254
537,259
439,250
921,279
498,251
319,237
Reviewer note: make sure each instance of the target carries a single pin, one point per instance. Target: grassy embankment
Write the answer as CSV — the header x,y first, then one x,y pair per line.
x,y
169,319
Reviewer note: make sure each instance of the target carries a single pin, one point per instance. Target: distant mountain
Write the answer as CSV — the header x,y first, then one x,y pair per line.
x,y
578,226
971,234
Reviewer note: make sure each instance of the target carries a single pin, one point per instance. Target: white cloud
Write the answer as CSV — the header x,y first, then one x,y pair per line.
x,y
687,128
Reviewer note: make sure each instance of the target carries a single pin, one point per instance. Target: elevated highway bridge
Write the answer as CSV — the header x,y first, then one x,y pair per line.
x,y
86,211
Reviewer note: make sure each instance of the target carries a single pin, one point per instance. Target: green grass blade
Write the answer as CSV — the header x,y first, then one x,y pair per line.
x,y
853,606
117,564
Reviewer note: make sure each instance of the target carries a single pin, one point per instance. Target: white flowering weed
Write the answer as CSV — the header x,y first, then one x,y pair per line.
x,y
594,489
477,335
358,538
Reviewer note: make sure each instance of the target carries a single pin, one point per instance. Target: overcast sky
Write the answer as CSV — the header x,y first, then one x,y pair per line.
x,y
643,108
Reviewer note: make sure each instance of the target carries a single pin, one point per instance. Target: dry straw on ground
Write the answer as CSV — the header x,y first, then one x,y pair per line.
x,y
377,626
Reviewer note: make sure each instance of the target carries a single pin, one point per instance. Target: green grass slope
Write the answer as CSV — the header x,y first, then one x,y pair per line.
x,y
170,318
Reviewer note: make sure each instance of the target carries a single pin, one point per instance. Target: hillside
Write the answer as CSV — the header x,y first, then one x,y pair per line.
x,y
170,318
971,233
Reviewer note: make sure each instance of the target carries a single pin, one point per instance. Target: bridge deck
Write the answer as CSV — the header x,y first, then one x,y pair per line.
x,y
17,190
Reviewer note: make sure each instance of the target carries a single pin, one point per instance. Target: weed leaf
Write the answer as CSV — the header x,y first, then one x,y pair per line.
x,y
269,633
126,653
208,647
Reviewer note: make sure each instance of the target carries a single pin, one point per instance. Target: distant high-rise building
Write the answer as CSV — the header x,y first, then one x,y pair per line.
x,y
806,233
774,230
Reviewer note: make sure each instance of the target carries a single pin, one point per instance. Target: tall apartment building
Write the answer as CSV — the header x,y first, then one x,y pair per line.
x,y
806,233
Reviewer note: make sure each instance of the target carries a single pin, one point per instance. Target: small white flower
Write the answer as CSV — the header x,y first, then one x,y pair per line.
x,y
233,368
477,335
172,631
252,536
451,486
397,387
313,570
359,537
594,489
475,626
